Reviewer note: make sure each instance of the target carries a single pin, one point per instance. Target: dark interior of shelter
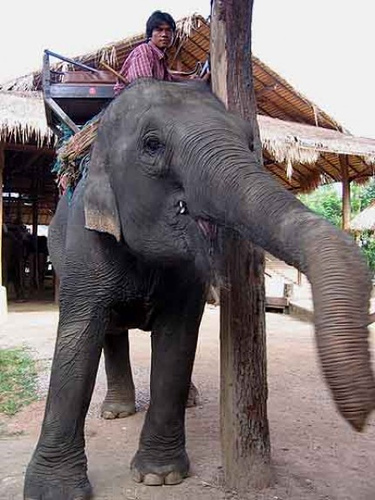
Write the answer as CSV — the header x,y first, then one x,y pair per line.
x,y
29,199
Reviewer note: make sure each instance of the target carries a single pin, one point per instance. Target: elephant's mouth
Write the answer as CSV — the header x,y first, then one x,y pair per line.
x,y
208,229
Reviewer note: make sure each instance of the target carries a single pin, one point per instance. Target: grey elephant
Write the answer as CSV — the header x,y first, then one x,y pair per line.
x,y
18,246
137,247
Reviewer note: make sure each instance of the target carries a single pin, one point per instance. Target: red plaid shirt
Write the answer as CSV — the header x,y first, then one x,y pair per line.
x,y
145,61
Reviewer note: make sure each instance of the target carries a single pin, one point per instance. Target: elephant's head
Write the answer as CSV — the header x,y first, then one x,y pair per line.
x,y
170,166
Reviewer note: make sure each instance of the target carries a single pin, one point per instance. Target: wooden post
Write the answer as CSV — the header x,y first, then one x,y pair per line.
x,y
244,425
35,210
346,210
2,164
3,293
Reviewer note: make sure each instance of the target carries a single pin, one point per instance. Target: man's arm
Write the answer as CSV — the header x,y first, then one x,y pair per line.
x,y
141,64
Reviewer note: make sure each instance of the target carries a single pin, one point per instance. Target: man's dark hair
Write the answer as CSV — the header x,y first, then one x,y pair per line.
x,y
156,19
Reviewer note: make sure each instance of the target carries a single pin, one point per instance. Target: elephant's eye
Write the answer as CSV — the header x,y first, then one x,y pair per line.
x,y
153,154
152,145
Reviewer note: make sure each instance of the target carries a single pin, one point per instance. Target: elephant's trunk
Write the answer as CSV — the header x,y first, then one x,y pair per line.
x,y
245,197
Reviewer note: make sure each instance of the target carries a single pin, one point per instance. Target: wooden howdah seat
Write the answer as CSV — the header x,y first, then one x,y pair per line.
x,y
72,98
88,78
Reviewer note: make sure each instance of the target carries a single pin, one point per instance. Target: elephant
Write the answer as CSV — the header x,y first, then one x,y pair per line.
x,y
137,246
12,258
18,245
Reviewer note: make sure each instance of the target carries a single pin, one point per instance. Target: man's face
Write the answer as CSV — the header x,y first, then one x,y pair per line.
x,y
162,36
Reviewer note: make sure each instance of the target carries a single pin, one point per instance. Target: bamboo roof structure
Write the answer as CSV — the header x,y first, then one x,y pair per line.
x,y
364,221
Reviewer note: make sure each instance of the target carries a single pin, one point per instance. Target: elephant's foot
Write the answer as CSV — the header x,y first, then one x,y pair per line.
x,y
156,472
117,409
193,397
48,489
46,484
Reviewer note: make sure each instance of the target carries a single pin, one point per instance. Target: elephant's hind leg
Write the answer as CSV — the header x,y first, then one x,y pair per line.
x,y
120,399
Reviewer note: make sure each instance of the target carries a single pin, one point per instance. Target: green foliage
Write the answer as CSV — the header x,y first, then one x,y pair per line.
x,y
18,380
367,243
327,202
361,196
368,194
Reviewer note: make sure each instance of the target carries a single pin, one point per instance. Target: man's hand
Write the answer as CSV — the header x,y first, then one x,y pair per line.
x,y
204,78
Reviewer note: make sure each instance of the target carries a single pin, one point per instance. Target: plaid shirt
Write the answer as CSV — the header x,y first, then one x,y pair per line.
x,y
145,61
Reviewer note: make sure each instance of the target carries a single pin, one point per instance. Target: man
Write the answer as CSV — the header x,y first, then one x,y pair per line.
x,y
149,59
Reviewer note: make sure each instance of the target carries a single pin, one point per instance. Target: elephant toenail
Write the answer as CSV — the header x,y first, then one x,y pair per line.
x,y
173,478
136,476
125,414
108,415
153,480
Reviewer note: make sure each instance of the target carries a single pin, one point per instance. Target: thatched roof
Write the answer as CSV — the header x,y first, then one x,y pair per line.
x,y
364,221
304,155
300,157
22,119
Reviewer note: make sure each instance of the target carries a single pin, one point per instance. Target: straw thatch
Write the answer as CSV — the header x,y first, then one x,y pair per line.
x,y
364,221
303,143
310,155
22,118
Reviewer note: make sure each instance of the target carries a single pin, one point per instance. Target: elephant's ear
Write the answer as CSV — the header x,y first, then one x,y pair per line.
x,y
101,212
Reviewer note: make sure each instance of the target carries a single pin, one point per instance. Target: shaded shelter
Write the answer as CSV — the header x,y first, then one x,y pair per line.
x,y
28,193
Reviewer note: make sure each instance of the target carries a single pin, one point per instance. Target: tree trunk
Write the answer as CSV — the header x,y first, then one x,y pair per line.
x,y
346,210
244,424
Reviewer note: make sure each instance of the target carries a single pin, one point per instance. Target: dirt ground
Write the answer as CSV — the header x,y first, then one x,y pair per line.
x,y
315,453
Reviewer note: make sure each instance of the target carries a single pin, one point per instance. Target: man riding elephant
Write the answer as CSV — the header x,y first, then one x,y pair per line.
x,y
149,59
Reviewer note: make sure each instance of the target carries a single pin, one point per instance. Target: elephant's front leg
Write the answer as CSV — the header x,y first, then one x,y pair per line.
x,y
57,470
120,398
161,457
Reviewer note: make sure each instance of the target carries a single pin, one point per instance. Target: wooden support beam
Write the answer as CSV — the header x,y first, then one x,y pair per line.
x,y
35,209
346,210
244,425
30,148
